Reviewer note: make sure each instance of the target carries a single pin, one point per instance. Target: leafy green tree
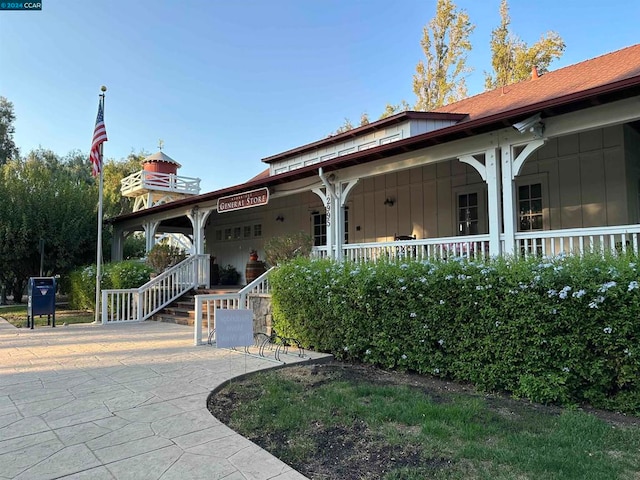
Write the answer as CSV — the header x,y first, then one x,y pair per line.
x,y
76,163
114,171
40,199
8,149
445,42
512,59
43,196
114,204
391,109
347,125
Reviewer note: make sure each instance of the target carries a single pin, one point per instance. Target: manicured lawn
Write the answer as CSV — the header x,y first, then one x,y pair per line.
x,y
17,316
332,423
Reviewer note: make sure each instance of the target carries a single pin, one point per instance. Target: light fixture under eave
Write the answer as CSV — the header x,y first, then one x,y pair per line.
x,y
390,201
533,125
279,218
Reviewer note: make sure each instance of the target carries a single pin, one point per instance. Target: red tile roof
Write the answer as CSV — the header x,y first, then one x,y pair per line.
x,y
261,176
603,70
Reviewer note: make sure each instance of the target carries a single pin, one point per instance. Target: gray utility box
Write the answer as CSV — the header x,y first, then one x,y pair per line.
x,y
42,299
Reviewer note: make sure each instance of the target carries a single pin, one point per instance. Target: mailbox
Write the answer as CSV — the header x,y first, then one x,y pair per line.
x,y
42,299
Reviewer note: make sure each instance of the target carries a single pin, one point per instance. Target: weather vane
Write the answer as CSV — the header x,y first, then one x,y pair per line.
x,y
160,144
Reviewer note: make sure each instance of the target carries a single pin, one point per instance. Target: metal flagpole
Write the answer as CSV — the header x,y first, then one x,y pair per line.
x,y
99,245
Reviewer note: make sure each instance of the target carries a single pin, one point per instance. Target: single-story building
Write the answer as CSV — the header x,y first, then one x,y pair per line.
x,y
545,165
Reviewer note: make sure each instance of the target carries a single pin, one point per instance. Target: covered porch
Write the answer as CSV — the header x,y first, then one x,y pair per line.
x,y
556,189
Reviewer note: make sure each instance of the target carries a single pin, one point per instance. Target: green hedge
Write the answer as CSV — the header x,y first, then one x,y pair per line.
x,y
563,330
81,284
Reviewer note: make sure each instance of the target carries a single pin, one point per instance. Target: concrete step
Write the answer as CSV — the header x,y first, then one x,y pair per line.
x,y
186,304
221,289
168,318
182,311
177,311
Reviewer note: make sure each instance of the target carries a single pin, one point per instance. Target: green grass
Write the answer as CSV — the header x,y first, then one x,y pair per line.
x,y
469,436
17,316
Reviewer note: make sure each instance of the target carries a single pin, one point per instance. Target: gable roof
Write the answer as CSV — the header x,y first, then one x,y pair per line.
x,y
603,71
603,79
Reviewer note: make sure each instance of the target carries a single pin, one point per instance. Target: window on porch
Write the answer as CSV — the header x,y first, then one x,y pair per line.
x,y
319,229
530,216
530,207
239,232
468,214
319,221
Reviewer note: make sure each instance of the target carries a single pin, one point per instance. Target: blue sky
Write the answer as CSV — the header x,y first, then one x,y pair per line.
x,y
227,83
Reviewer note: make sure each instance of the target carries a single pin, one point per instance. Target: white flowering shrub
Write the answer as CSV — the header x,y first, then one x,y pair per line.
x,y
563,329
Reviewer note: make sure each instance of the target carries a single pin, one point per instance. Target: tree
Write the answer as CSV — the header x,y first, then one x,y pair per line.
x,y
8,148
445,43
391,109
347,125
512,60
45,197
114,171
41,199
114,204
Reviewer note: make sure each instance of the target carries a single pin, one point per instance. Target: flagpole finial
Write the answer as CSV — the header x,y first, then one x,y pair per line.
x,y
103,88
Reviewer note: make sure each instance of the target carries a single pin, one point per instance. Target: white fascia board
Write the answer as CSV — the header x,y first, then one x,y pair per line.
x,y
600,116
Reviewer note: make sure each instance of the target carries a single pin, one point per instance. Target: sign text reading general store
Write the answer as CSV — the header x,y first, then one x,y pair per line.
x,y
253,198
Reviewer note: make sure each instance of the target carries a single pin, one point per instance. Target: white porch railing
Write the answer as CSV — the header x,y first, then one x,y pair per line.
x,y
616,239
473,246
209,303
168,182
138,304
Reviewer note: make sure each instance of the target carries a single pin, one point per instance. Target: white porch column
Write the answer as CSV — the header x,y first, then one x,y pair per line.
x,y
326,201
489,173
342,193
510,169
493,192
198,220
508,200
331,203
150,234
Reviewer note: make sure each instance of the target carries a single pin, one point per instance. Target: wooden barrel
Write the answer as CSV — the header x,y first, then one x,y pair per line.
x,y
254,269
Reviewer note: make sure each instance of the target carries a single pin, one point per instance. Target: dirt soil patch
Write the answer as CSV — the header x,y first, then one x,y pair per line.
x,y
357,451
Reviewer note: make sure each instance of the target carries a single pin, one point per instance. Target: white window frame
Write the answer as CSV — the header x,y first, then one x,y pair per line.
x,y
483,215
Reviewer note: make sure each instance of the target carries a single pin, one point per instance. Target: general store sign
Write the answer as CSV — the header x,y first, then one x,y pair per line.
x,y
253,198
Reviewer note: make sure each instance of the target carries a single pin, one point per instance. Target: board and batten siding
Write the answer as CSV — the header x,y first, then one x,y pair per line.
x,y
632,156
589,180
424,202
585,177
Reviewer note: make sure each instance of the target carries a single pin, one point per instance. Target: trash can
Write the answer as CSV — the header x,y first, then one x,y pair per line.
x,y
42,300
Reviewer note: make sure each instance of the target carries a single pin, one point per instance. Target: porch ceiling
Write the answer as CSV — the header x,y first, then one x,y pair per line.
x,y
178,222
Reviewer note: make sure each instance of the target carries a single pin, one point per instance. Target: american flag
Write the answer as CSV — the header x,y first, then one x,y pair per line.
x,y
99,136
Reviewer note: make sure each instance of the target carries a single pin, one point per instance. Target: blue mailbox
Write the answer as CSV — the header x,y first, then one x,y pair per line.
x,y
42,300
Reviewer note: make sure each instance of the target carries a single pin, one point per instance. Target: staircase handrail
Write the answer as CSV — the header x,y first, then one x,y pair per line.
x,y
138,304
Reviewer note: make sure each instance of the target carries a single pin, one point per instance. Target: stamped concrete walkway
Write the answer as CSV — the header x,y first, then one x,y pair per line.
x,y
121,402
